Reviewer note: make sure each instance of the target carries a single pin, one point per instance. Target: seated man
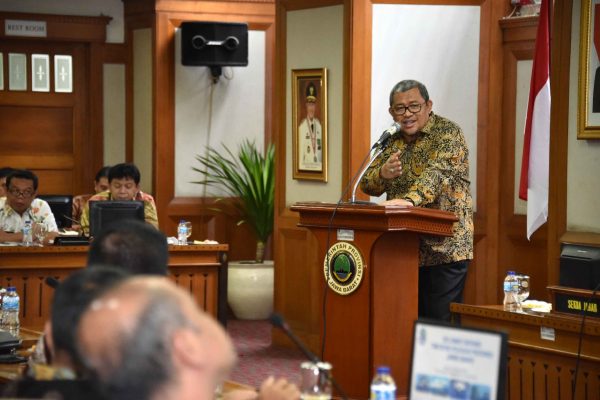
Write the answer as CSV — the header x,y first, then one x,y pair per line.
x,y
124,184
133,246
4,172
71,298
79,202
146,339
20,205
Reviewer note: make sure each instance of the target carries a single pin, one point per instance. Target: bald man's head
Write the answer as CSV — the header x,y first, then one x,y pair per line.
x,y
146,338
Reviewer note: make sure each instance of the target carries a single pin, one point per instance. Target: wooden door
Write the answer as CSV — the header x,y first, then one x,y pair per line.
x,y
47,132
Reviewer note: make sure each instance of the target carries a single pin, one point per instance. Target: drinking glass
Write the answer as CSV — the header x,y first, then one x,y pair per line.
x,y
188,226
316,384
523,292
40,231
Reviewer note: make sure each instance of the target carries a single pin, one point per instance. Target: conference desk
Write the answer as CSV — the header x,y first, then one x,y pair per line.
x,y
542,351
199,269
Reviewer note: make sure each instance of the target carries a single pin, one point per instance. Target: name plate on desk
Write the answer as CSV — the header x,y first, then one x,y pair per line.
x,y
575,301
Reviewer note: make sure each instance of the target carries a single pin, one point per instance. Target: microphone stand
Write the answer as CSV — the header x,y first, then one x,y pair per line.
x,y
362,173
278,321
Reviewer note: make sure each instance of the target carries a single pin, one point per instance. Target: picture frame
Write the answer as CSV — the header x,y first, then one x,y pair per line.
x,y
1,71
40,72
309,124
588,115
63,74
17,71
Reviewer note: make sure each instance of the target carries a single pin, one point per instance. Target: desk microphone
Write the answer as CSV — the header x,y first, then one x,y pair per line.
x,y
380,145
52,282
386,135
278,322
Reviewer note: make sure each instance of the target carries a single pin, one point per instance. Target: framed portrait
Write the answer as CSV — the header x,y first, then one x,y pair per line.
x,y
17,71
40,73
1,71
309,124
588,121
63,74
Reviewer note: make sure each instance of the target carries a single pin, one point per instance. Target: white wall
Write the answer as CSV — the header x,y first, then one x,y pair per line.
x,y
583,179
114,113
315,39
522,98
142,106
111,8
438,46
238,111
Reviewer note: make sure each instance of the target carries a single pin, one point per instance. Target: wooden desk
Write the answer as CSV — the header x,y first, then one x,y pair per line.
x,y
540,368
200,269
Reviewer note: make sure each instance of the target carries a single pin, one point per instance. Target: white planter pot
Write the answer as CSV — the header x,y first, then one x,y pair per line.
x,y
250,289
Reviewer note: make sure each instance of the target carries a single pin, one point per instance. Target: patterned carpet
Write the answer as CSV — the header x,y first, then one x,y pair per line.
x,y
257,358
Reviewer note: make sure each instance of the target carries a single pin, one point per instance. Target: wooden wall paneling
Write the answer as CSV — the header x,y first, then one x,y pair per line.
x,y
515,251
59,126
298,293
163,17
95,151
481,284
559,143
164,117
357,71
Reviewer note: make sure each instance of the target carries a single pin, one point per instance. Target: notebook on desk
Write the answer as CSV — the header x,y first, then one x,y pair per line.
x,y
452,362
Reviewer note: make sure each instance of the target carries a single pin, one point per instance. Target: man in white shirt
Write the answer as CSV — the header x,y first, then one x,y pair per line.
x,y
20,205
310,134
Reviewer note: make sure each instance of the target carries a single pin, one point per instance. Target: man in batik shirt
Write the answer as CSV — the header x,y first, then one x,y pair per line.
x,y
426,165
20,205
124,184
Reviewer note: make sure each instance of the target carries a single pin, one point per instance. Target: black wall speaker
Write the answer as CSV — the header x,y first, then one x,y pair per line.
x,y
579,266
215,44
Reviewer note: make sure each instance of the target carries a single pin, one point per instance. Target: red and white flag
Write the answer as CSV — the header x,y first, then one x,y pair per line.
x,y
536,147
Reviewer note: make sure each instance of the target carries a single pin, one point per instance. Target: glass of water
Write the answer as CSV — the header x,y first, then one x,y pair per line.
x,y
40,231
316,384
188,226
523,292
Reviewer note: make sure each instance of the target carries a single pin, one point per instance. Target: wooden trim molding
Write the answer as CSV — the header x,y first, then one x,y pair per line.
x,y
63,27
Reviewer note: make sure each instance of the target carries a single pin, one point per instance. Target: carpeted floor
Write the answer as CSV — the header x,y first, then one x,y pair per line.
x,y
257,358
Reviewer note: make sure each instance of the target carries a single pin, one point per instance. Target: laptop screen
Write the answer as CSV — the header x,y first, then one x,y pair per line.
x,y
451,362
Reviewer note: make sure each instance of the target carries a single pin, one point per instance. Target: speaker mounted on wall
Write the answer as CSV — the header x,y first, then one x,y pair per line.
x,y
214,44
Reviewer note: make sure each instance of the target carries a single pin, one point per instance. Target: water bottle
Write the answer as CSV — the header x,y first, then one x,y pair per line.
x,y
182,233
27,234
10,311
383,386
511,292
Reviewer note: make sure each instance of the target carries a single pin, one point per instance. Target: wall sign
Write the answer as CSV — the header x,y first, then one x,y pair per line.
x,y
15,27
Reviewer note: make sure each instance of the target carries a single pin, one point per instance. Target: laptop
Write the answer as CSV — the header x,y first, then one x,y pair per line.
x,y
452,362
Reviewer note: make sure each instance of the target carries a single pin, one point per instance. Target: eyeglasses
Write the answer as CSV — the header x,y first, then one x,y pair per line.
x,y
413,108
17,193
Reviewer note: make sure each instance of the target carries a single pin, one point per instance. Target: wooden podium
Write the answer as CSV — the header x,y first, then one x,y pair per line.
x,y
372,325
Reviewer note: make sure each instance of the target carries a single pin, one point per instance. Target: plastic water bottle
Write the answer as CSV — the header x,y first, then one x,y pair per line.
x,y
27,234
10,311
511,292
182,233
383,386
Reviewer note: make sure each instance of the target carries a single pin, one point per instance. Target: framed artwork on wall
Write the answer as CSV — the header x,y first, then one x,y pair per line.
x,y
17,71
1,71
40,72
309,124
588,121
63,74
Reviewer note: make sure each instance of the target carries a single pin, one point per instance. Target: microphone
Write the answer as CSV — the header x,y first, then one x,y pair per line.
x,y
380,145
52,282
278,322
386,135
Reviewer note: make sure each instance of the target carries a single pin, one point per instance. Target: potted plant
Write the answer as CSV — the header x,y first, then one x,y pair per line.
x,y
248,178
